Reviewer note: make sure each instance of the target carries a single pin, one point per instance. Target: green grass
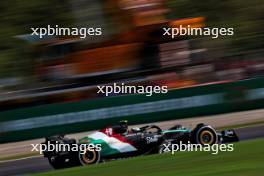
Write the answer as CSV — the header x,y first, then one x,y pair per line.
x,y
246,159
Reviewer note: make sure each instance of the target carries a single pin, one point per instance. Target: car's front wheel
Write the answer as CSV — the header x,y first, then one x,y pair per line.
x,y
205,135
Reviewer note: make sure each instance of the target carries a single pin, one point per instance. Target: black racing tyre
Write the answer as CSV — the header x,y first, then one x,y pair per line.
x,y
206,135
89,157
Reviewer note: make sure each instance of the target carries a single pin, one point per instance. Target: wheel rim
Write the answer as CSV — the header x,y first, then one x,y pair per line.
x,y
207,137
89,157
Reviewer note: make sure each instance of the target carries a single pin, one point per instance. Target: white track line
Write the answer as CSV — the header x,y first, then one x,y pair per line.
x,y
29,157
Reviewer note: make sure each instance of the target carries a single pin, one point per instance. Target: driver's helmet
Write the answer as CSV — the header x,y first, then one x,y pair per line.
x,y
123,124
123,127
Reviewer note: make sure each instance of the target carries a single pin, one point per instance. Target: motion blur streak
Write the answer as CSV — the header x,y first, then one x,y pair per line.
x,y
131,47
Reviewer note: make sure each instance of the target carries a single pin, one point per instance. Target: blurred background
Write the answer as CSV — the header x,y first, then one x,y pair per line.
x,y
132,49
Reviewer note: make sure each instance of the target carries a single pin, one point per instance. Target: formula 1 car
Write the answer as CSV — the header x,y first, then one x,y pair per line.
x,y
116,142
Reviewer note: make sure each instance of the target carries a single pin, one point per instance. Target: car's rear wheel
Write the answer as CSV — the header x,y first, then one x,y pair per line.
x,y
89,157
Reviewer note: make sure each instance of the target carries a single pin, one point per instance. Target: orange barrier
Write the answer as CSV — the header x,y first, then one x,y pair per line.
x,y
105,59
197,22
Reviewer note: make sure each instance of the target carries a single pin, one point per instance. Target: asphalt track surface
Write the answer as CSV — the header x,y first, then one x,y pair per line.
x,y
40,164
